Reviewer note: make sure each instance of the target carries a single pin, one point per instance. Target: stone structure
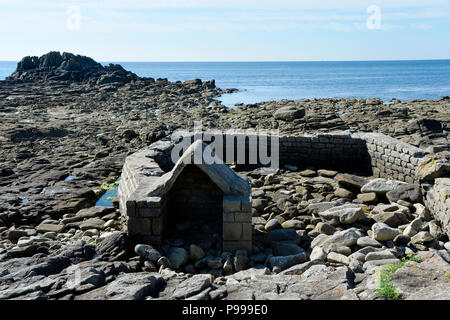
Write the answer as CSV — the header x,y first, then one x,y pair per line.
x,y
392,158
149,174
159,205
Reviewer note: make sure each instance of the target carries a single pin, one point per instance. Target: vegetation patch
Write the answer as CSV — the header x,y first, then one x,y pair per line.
x,y
387,290
111,186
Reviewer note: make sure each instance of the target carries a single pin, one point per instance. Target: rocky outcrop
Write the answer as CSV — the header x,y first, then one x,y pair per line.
x,y
69,67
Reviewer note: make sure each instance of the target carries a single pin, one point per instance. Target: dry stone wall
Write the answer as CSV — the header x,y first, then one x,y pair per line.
x,y
372,154
392,158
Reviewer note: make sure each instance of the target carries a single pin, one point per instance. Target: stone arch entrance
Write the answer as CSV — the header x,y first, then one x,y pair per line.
x,y
194,210
210,198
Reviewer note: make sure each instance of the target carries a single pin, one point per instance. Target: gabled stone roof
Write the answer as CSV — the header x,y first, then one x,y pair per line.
x,y
226,179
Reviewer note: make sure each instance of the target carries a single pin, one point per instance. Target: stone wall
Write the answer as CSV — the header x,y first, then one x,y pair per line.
x,y
364,153
392,158
339,150
437,200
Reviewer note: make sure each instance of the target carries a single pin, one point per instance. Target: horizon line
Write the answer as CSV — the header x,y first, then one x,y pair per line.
x,y
249,61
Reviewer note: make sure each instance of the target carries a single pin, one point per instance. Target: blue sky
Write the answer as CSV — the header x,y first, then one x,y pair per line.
x,y
209,30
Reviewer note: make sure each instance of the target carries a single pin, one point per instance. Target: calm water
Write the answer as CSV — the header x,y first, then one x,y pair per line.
x,y
263,81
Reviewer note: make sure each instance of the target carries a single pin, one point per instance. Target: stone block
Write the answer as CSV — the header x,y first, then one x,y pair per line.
x,y
149,212
228,217
232,231
243,216
157,226
139,226
247,231
131,208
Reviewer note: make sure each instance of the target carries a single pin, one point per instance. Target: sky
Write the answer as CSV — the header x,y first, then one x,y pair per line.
x,y
227,30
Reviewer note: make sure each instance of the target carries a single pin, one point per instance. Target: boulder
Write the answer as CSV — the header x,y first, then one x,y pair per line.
x,y
345,214
196,252
406,192
391,214
284,262
113,247
422,237
350,181
147,252
44,227
382,232
380,186
92,223
338,258
289,113
370,197
434,166
177,257
413,228
134,286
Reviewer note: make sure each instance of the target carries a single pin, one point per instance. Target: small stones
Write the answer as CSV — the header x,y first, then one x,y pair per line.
x,y
382,232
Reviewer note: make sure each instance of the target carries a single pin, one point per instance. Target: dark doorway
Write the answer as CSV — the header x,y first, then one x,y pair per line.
x,y
194,209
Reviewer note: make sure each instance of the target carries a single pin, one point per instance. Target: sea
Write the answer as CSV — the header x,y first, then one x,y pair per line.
x,y
267,81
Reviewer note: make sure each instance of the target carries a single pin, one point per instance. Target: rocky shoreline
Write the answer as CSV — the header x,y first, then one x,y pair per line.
x,y
67,125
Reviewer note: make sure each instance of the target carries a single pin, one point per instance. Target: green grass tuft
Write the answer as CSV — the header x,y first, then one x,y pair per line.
x,y
386,289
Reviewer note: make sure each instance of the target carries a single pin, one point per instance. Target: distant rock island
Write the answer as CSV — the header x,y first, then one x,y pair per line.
x,y
68,66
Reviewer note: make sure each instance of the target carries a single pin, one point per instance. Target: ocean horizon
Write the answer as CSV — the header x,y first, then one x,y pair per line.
x,y
267,81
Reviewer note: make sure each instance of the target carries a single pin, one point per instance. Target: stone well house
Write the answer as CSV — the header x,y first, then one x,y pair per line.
x,y
194,202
